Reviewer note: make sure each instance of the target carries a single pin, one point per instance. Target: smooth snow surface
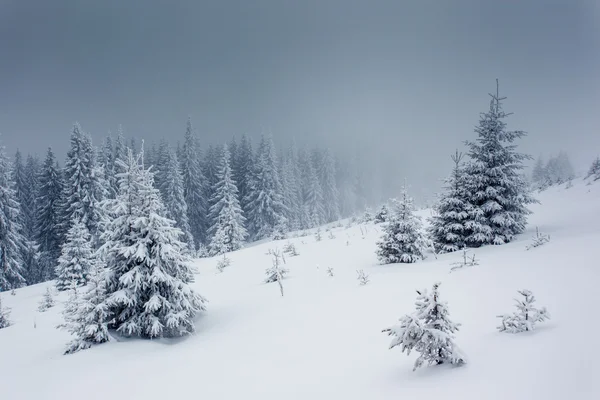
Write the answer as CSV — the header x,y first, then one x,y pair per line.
x,y
323,339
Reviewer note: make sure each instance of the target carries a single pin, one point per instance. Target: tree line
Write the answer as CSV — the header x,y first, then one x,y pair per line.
x,y
219,197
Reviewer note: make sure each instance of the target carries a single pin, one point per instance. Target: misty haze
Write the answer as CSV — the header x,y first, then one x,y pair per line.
x,y
299,200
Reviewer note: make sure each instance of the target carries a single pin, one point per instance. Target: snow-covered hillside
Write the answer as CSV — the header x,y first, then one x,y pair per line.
x,y
323,340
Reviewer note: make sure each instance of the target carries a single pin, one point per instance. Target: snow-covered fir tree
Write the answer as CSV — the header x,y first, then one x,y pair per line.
x,y
346,188
265,201
4,316
312,193
48,231
526,316
402,238
228,232
107,163
120,149
243,172
211,171
498,193
594,171
194,186
25,179
76,259
81,183
292,191
382,215
558,169
428,331
87,317
326,171
539,176
12,242
171,189
447,226
148,278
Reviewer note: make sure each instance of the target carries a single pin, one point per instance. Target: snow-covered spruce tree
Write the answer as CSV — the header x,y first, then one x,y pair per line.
x,y
4,316
194,186
148,277
29,210
290,179
402,237
265,201
594,171
312,193
539,174
346,187
498,193
107,163
12,242
47,301
76,259
526,316
243,168
428,331
120,149
171,189
381,215
25,180
558,169
81,184
48,216
210,167
87,317
447,226
228,232
326,172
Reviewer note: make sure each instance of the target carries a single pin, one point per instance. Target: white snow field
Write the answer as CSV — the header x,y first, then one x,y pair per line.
x,y
323,339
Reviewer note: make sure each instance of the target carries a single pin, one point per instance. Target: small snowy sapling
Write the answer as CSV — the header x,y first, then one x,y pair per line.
x,y
47,301
363,278
467,261
318,235
290,249
329,271
276,273
526,316
538,240
223,263
331,235
381,215
429,331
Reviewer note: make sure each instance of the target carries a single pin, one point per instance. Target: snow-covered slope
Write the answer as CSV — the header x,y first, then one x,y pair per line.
x,y
323,339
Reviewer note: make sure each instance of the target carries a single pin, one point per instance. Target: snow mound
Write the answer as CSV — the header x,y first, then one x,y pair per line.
x,y
323,339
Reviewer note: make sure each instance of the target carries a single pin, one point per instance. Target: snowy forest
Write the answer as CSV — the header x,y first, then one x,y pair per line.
x,y
219,196
223,196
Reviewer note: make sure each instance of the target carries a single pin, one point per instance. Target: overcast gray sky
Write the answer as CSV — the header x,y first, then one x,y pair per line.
x,y
406,79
